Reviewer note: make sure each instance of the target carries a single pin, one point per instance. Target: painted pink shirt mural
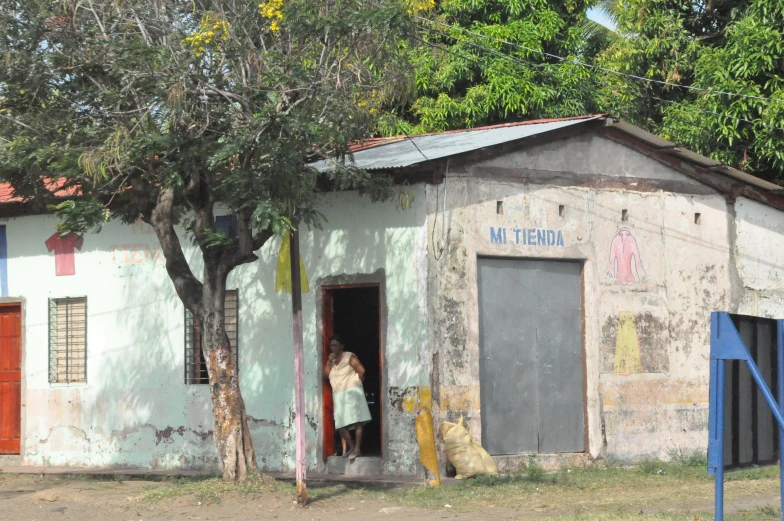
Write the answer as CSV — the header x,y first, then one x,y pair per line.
x,y
623,253
64,252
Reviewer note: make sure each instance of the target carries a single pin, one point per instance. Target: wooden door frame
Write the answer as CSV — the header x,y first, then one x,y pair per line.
x,y
374,280
6,302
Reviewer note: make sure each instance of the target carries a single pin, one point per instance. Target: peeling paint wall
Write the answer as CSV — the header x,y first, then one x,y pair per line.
x,y
646,315
659,252
136,411
758,249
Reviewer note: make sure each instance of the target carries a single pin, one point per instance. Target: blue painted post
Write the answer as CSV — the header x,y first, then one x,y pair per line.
x,y
719,505
780,392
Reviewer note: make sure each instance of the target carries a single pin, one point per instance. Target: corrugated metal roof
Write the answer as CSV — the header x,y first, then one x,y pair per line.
x,y
641,134
402,152
693,157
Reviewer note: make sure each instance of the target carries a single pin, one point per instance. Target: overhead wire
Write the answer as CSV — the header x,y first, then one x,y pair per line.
x,y
524,63
605,69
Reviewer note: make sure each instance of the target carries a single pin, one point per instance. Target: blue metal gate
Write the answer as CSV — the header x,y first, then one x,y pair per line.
x,y
727,345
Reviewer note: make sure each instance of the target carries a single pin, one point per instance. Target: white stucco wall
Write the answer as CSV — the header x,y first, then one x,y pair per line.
x,y
759,250
135,409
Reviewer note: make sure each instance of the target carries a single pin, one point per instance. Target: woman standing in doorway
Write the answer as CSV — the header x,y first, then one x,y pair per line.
x,y
346,376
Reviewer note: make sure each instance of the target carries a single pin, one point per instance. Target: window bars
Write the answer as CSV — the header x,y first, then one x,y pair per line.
x,y
195,363
68,340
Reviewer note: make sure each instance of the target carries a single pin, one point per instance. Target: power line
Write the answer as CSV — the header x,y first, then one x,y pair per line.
x,y
722,115
521,62
623,74
415,146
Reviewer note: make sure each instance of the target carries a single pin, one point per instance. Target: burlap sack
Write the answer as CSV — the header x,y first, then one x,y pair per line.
x,y
467,456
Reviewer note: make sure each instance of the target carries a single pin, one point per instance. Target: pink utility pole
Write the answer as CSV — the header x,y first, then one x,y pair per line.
x,y
299,370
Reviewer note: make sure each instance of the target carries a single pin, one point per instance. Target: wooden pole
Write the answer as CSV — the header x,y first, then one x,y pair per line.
x,y
299,370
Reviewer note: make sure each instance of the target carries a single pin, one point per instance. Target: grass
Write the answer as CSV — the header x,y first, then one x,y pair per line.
x,y
210,490
577,491
590,493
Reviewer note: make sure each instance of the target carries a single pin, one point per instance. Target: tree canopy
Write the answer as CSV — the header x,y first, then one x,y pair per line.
x,y
726,58
160,110
481,62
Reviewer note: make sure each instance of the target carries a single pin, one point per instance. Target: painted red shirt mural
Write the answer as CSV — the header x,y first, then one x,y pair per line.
x,y
624,254
64,252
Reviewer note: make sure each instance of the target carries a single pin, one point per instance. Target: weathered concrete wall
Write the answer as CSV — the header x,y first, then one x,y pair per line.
x,y
646,335
135,409
759,248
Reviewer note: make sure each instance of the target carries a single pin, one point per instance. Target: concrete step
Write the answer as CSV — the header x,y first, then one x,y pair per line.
x,y
362,466
10,461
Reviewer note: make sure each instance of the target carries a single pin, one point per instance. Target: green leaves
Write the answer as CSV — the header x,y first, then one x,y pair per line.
x,y
733,47
124,100
80,216
467,76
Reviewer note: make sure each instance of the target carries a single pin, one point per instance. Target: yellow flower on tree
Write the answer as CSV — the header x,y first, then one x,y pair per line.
x,y
272,10
212,31
418,6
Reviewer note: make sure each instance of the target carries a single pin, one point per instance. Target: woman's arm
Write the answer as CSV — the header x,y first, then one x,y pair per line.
x,y
358,367
329,366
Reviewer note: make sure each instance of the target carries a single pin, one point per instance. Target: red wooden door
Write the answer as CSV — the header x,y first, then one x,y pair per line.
x,y
10,378
328,424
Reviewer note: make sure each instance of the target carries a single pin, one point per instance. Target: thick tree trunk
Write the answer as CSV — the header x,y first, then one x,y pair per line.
x,y
231,432
206,301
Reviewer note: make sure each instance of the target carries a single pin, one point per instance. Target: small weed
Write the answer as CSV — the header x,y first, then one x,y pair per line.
x,y
611,463
754,474
651,466
534,471
769,511
209,490
688,457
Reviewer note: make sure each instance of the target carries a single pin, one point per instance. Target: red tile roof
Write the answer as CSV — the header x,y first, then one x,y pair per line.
x,y
54,186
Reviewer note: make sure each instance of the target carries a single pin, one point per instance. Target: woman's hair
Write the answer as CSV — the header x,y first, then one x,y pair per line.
x,y
337,338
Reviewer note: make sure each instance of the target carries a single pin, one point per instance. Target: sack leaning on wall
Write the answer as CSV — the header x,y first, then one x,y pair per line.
x,y
466,455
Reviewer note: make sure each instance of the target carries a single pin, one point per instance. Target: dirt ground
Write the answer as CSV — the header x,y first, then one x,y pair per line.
x,y
661,493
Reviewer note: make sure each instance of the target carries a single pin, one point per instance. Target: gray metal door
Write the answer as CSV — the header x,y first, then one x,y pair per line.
x,y
531,356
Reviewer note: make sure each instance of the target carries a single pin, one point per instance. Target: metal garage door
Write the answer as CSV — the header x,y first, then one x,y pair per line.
x,y
531,363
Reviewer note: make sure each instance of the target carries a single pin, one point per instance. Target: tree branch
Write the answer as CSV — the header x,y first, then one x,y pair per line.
x,y
186,284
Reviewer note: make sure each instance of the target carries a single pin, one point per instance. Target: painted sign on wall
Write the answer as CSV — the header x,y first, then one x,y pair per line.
x,y
627,346
136,253
526,236
625,259
64,252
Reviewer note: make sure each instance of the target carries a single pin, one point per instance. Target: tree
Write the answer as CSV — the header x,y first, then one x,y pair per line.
x,y
467,76
726,54
160,109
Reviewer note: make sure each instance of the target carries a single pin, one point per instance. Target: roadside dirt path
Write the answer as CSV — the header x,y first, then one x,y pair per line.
x,y
30,498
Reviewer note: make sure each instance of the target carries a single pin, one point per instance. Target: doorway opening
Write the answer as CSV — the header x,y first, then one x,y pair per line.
x,y
354,312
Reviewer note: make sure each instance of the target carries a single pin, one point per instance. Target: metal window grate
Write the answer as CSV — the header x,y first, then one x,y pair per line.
x,y
68,340
195,364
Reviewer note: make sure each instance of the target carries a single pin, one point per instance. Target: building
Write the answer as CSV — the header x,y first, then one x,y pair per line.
x,y
551,281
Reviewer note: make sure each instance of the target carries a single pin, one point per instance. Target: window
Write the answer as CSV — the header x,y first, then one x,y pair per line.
x,y
227,224
68,340
195,364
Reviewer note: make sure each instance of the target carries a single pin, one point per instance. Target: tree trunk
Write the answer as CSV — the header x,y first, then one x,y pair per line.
x,y
206,301
231,432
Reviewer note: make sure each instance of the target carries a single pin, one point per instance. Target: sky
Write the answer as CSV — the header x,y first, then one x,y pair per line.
x,y
598,17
